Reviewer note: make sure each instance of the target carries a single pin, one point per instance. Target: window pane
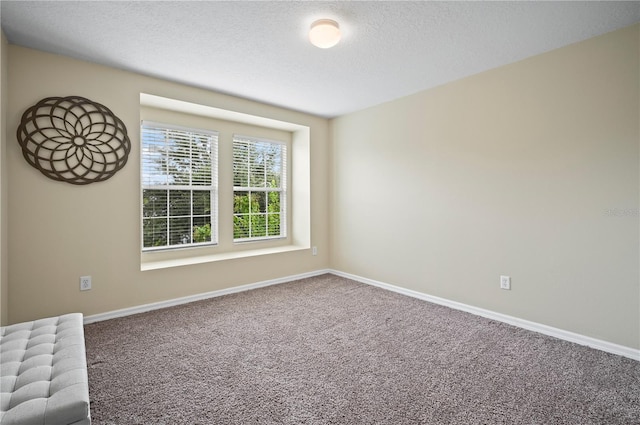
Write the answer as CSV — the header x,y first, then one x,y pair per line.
x,y
240,164
241,202
259,202
273,202
178,157
274,166
201,202
273,224
201,229
179,203
154,203
154,231
241,226
257,162
180,230
201,160
241,222
153,171
258,225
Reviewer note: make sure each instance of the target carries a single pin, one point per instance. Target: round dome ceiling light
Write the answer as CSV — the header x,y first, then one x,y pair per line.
x,y
324,33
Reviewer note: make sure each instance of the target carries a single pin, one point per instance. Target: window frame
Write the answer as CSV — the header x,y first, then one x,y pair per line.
x,y
281,190
211,188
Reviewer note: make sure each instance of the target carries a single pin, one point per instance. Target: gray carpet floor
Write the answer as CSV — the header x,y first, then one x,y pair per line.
x,y
328,350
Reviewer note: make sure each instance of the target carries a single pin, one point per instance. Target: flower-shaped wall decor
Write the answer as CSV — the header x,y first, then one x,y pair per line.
x,y
73,139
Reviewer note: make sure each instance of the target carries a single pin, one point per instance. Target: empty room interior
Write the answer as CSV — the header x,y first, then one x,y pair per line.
x,y
433,218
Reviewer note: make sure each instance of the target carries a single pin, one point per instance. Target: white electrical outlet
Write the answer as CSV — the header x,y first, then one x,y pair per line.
x,y
314,250
85,283
505,282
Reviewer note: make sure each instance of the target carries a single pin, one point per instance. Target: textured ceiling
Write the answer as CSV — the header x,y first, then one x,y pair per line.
x,y
259,50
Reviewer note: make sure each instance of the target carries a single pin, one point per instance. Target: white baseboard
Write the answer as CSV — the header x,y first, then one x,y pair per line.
x,y
598,344
609,347
191,298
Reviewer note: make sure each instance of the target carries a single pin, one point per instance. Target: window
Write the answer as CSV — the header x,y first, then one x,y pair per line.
x,y
259,189
179,186
272,214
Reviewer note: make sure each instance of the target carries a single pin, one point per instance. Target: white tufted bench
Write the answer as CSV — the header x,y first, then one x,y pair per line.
x,y
43,373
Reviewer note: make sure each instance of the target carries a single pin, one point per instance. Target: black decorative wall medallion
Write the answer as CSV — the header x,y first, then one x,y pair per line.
x,y
73,139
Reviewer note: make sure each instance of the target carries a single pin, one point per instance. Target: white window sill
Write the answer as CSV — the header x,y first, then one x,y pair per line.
x,y
163,264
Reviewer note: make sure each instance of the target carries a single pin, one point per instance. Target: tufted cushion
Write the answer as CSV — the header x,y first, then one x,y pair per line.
x,y
43,373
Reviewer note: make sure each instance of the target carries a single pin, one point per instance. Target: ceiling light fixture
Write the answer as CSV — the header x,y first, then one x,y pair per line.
x,y
324,33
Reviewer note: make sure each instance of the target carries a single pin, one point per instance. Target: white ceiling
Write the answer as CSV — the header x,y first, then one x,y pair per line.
x,y
259,50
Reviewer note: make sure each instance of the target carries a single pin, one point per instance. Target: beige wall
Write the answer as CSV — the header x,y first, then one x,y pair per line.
x,y
528,170
59,232
4,279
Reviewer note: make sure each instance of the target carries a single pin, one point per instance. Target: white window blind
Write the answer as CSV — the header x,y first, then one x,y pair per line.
x,y
179,186
259,189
